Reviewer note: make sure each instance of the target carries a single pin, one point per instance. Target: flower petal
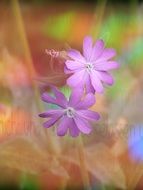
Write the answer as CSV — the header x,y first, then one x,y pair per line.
x,y
76,79
87,102
67,71
76,55
50,113
63,126
87,47
49,99
97,49
88,114
52,121
82,125
59,96
89,87
106,65
95,81
73,130
108,53
106,77
75,97
72,65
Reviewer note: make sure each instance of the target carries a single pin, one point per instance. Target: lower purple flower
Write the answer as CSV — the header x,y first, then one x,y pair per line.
x,y
73,114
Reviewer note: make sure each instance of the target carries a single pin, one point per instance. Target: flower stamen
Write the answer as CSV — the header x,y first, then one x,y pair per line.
x,y
70,112
89,67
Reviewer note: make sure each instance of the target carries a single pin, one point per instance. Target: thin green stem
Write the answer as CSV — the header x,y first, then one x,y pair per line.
x,y
99,13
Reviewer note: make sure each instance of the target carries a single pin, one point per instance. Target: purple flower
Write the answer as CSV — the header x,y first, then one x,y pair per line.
x,y
72,115
90,70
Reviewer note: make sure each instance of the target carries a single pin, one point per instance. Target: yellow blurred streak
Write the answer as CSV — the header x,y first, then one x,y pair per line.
x,y
98,18
14,122
4,116
1,70
22,35
49,138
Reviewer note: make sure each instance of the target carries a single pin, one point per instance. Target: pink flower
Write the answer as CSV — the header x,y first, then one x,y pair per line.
x,y
90,70
72,114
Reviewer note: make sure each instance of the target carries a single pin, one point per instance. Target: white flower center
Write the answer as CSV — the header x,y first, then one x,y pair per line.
x,y
89,67
70,112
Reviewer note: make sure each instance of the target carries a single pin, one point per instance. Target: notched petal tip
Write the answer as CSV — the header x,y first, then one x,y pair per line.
x,y
44,96
100,42
92,97
107,54
87,39
117,65
97,116
99,90
75,55
87,47
110,83
42,115
61,134
87,132
67,71
83,125
74,135
45,125
114,65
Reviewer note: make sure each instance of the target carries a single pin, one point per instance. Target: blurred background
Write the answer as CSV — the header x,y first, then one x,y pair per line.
x,y
32,158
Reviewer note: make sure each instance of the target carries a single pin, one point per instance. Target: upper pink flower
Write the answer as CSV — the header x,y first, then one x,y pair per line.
x,y
90,70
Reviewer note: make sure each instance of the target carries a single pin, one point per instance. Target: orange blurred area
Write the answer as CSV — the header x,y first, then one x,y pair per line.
x,y
14,122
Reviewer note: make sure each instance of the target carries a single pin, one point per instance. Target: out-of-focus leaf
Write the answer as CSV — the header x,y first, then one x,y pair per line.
x,y
120,133
130,106
115,25
6,95
9,176
133,108
28,183
123,82
56,79
25,155
134,56
15,74
135,152
59,27
102,163
14,122
66,90
100,104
